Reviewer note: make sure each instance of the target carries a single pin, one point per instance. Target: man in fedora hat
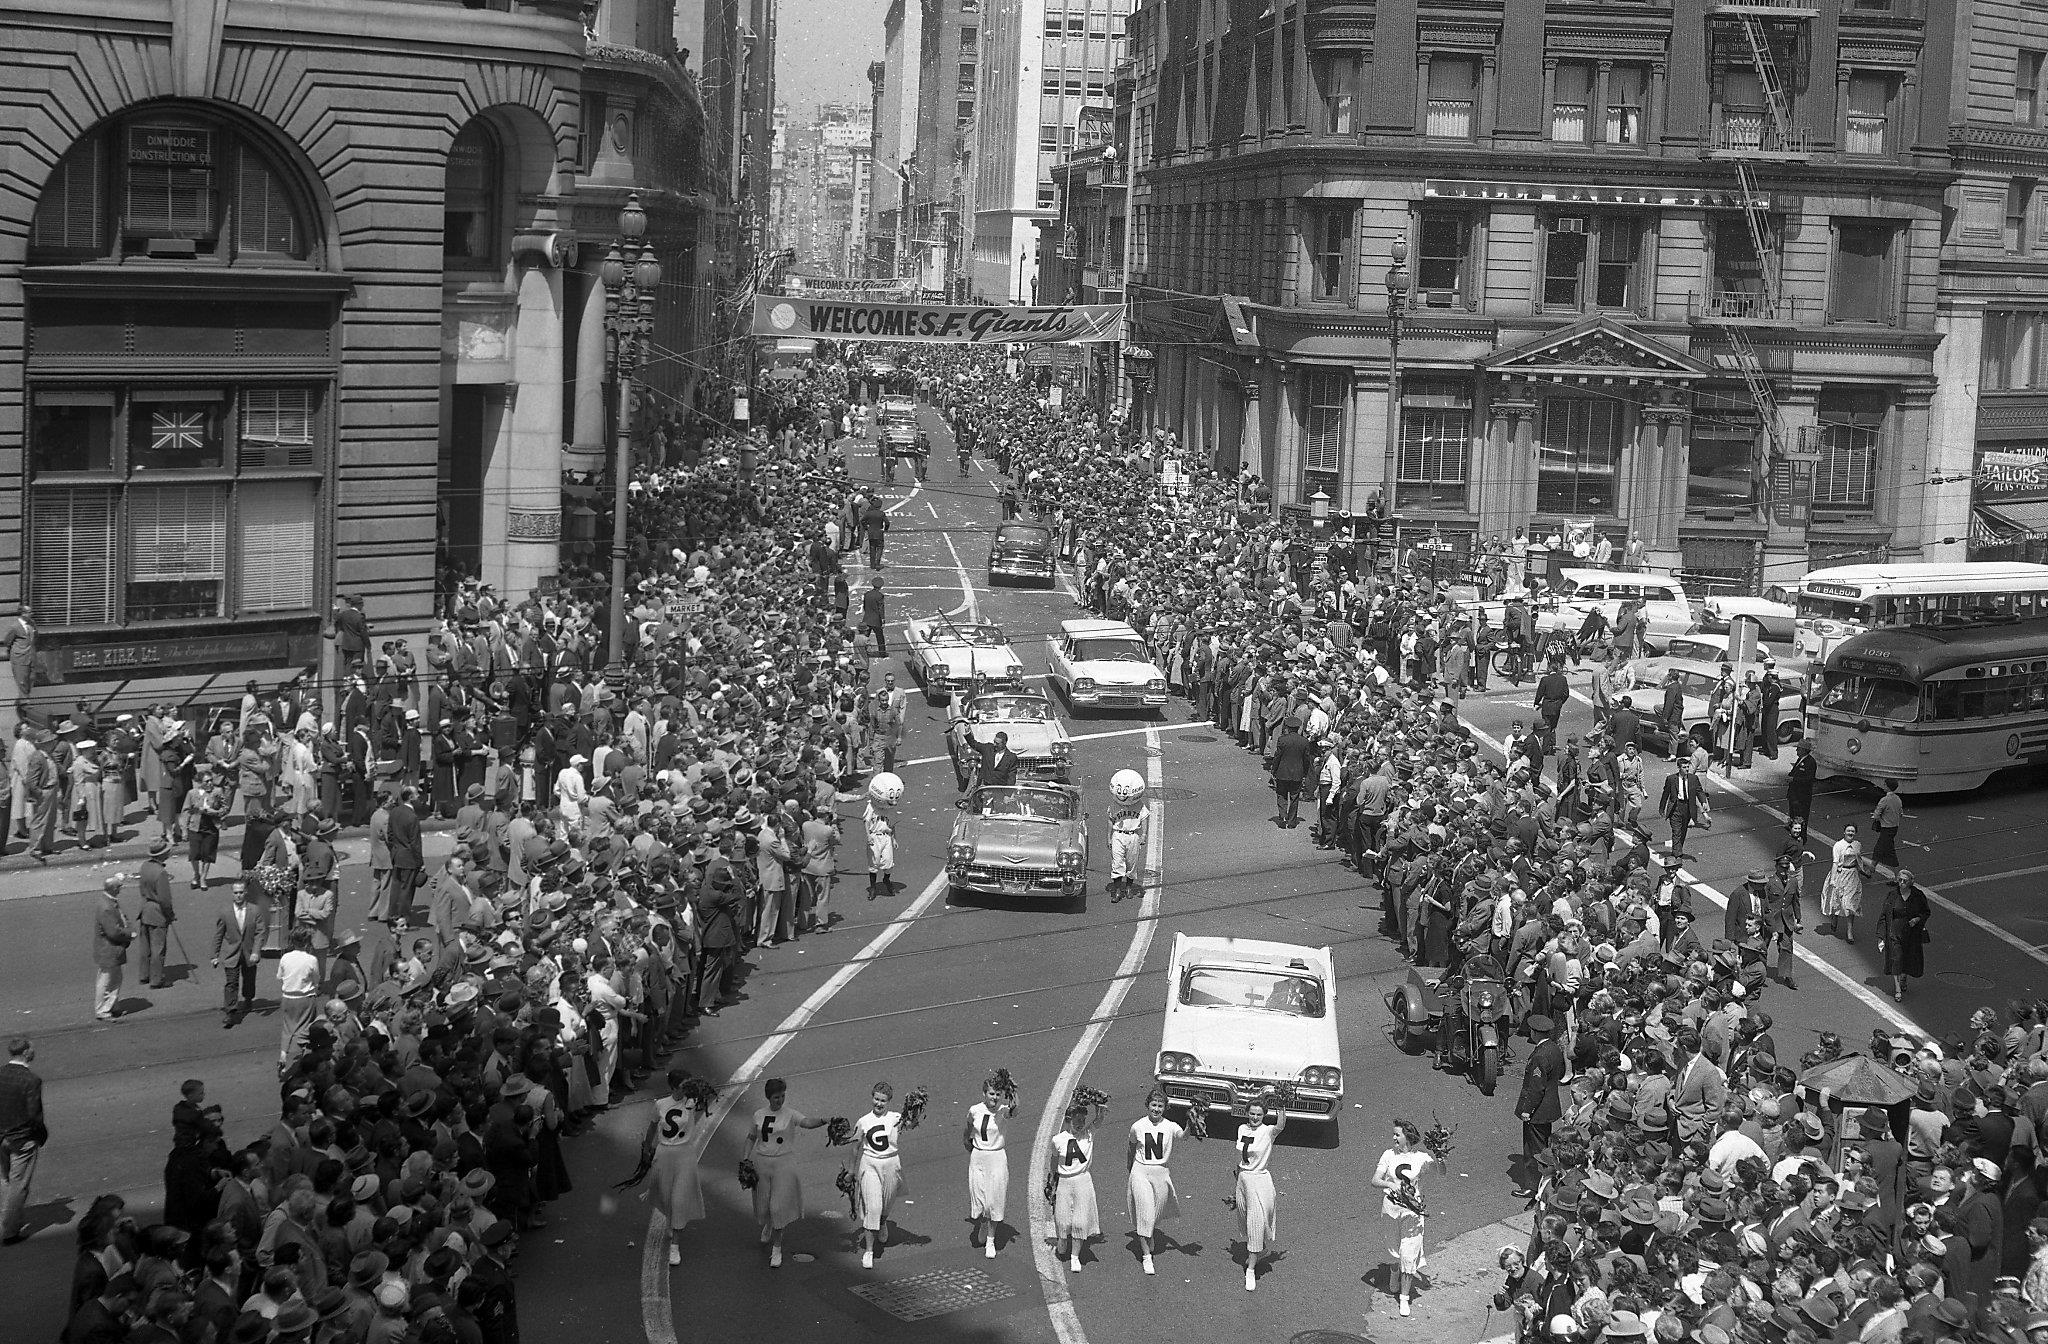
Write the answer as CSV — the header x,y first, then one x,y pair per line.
x,y
1539,1105
159,912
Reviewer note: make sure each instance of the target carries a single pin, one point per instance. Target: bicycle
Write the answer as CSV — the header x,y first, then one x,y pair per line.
x,y
1513,660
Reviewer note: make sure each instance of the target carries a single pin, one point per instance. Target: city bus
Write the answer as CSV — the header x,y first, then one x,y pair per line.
x,y
1939,708
1846,600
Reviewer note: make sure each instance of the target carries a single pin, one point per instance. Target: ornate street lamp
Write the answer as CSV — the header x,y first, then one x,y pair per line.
x,y
631,275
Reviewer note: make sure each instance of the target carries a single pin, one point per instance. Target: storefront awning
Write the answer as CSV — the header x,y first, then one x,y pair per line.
x,y
2003,523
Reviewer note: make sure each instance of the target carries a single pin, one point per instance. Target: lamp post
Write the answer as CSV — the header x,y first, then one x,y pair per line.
x,y
1397,307
630,274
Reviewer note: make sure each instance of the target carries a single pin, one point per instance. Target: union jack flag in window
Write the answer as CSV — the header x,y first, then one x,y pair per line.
x,y
178,430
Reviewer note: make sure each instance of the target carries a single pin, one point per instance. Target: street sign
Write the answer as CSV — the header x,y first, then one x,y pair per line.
x,y
740,409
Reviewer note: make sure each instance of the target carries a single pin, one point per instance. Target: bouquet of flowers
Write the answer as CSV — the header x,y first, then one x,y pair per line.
x,y
838,1132
1198,1121
749,1178
1052,1185
913,1107
1005,1088
1436,1140
275,880
846,1183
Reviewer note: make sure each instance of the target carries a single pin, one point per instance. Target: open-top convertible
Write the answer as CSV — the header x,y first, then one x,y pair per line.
x,y
1020,840
946,655
1033,727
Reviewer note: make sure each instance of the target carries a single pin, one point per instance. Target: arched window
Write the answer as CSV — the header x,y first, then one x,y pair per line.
x,y
471,225
170,186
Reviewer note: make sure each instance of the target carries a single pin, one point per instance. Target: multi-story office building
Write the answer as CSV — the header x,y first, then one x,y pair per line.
x,y
950,41
1670,268
1042,62
895,147
1990,445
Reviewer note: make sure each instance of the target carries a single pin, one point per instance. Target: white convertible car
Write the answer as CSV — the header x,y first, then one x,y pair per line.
x,y
1242,1014
1035,733
946,655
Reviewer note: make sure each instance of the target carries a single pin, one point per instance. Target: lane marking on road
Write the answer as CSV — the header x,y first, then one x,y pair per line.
x,y
915,486
1862,993
1090,737
932,508
966,583
1990,877
1052,1276
657,1311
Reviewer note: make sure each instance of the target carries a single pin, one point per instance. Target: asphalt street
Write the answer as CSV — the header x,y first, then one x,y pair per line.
x,y
925,990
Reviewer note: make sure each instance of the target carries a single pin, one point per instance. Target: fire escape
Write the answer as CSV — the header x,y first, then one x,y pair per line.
x,y
1751,134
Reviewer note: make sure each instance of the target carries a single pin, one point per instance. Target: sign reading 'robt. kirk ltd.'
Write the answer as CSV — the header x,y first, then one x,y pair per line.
x,y
931,324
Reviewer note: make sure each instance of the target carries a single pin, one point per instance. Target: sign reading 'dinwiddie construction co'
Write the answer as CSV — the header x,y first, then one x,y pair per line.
x,y
845,318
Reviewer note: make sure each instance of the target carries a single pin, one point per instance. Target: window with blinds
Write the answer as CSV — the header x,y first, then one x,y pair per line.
x,y
1851,433
265,221
1325,395
71,555
277,428
1436,428
169,202
277,527
69,213
177,552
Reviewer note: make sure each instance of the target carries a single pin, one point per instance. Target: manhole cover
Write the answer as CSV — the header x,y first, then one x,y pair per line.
x,y
1962,980
923,1296
1173,793
1198,737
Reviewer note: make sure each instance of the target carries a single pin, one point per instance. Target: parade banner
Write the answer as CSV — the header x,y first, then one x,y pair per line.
x,y
840,318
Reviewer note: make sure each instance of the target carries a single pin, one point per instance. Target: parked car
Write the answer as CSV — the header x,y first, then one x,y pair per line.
x,y
946,655
1105,664
1718,614
1697,678
1022,551
1020,840
1036,734
1666,610
1242,1014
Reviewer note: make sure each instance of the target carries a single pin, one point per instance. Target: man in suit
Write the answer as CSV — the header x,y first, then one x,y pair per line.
x,y
718,905
886,712
382,904
1623,724
237,950
1540,1105
996,763
351,632
23,1133
42,784
408,857
1680,804
1291,767
1699,1093
158,913
448,898
871,614
110,939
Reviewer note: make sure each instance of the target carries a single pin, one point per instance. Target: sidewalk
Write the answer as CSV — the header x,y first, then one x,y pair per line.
x,y
139,831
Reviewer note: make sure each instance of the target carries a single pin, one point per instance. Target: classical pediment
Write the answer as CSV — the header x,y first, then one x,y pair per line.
x,y
1598,347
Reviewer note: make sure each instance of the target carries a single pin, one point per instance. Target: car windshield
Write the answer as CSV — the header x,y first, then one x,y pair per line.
x,y
1032,537
1012,709
1110,649
980,636
1874,697
1025,804
1262,991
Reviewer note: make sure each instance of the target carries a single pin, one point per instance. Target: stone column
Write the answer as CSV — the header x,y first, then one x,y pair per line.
x,y
523,485
1515,489
1662,503
588,436
1285,456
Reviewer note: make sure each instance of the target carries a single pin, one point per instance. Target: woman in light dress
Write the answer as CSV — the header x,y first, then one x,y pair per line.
x,y
988,1163
778,1194
1152,1197
675,1139
1075,1216
1258,1214
1404,1160
880,1136
1841,899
